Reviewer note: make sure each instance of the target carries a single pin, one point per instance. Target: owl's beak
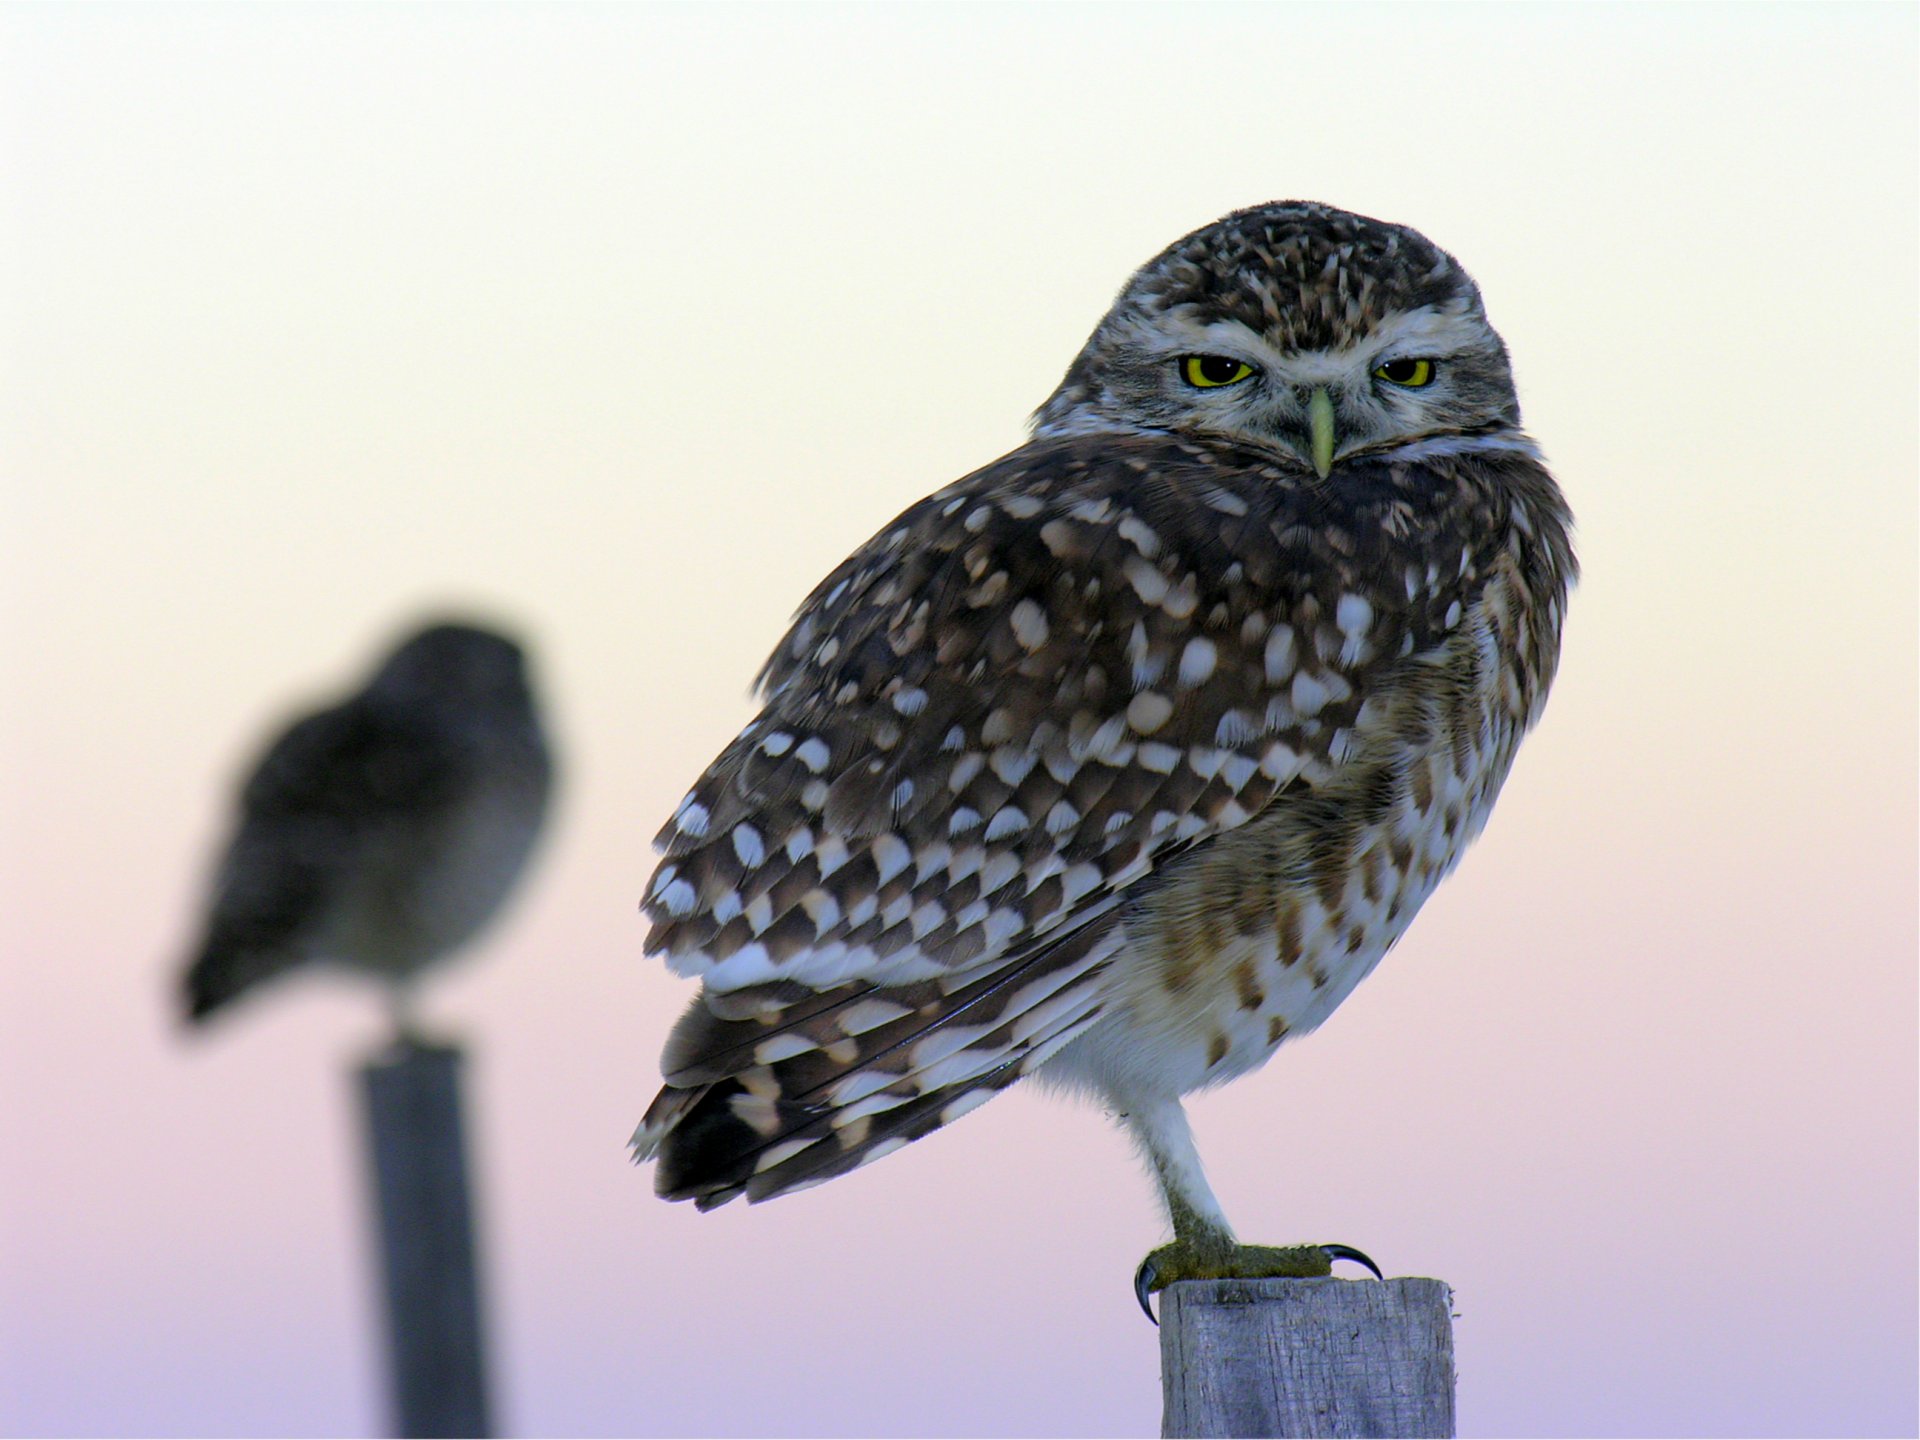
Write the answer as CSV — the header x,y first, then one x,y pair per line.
x,y
1320,430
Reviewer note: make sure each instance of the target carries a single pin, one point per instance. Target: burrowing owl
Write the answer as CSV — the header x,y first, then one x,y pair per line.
x,y
384,832
1128,756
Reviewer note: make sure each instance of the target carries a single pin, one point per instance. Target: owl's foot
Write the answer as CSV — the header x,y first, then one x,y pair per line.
x,y
1183,1260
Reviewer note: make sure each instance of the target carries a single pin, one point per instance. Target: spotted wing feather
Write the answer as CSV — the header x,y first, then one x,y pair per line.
x,y
997,719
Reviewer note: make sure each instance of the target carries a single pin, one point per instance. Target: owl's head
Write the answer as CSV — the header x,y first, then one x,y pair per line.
x,y
1299,328
455,665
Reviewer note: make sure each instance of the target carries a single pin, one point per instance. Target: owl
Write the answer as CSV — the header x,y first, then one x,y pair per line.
x,y
1122,760
382,833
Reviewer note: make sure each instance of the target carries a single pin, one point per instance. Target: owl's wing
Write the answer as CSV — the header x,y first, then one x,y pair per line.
x,y
340,790
903,882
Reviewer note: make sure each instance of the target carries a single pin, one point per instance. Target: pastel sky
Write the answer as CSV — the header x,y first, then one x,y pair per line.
x,y
624,325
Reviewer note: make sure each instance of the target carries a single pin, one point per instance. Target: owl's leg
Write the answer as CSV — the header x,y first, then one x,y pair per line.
x,y
404,1013
1204,1247
1161,1131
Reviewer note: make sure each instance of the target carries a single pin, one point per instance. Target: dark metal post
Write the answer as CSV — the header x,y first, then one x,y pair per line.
x,y
434,1350
1307,1358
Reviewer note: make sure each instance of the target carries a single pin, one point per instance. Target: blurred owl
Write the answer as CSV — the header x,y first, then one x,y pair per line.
x,y
1126,757
383,833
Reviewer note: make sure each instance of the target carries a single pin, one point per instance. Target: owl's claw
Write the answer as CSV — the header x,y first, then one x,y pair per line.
x,y
1143,1279
1147,1279
1359,1257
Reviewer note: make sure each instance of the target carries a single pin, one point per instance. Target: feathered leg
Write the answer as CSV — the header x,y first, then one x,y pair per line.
x,y
1204,1247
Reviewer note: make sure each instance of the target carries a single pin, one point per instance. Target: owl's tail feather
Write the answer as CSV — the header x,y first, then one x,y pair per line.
x,y
858,1078
222,972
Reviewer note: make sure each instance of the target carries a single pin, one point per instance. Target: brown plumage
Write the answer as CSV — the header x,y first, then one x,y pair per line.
x,y
381,833
1129,754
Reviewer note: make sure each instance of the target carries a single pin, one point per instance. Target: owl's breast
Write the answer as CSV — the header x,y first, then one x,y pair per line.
x,y
1261,933
427,886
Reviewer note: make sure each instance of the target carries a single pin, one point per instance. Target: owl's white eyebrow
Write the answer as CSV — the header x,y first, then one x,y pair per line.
x,y
1431,330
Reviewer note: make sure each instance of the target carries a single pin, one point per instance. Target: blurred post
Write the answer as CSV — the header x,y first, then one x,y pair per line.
x,y
1307,1358
434,1353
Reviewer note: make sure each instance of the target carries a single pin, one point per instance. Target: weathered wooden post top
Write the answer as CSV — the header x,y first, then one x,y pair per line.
x,y
1328,1357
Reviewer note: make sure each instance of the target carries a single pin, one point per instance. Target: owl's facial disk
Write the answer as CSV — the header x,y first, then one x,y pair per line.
x,y
1419,375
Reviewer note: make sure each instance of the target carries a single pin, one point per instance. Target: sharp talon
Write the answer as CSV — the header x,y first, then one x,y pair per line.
x,y
1143,1279
1347,1252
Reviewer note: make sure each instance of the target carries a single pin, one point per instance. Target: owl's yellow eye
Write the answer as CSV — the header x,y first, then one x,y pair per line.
x,y
1410,374
1209,372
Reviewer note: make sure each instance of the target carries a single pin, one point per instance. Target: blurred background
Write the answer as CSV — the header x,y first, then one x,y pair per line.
x,y
620,327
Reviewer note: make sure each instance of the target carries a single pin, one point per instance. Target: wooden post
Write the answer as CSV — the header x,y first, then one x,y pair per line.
x,y
435,1367
1315,1358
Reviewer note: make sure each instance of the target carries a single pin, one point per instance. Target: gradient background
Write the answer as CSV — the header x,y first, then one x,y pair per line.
x,y
625,325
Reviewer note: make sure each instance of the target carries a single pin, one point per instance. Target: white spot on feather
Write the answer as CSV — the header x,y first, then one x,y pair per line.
x,y
1081,880
939,1044
1238,770
1158,758
1139,534
1234,729
782,1047
1009,820
1206,761
830,854
1147,581
1309,694
859,1085
998,872
929,916
1197,661
748,845
749,965
964,769
1029,623
1279,653
780,1154
879,1104
1013,765
868,1014
822,909
890,856
929,858
1148,711
1001,926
